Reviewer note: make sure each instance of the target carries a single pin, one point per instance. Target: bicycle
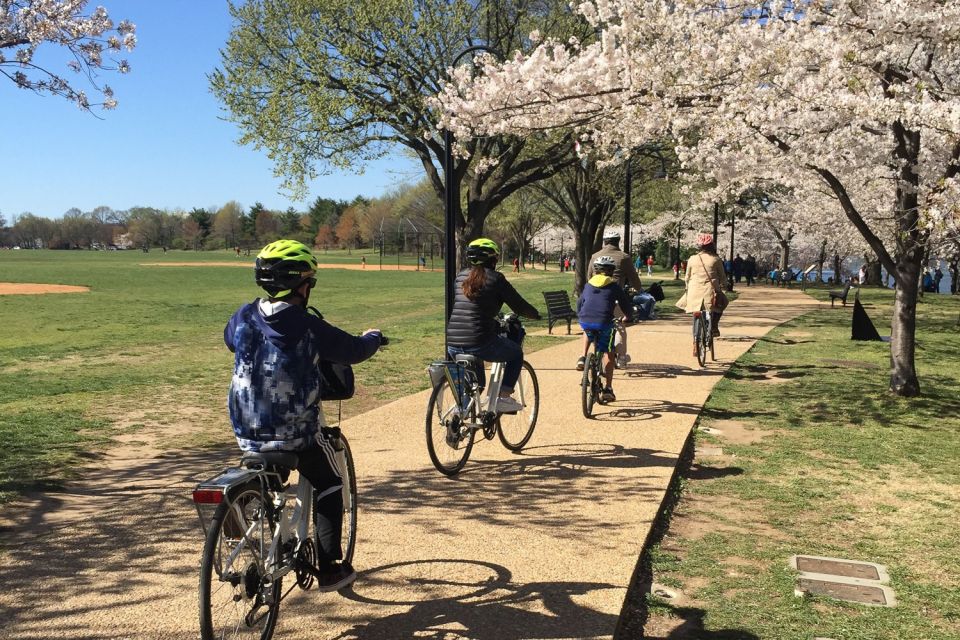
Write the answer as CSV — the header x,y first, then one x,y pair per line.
x,y
457,409
703,335
594,377
250,543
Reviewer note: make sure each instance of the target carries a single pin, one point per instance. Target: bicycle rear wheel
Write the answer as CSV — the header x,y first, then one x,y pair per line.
x,y
449,439
588,393
515,430
348,473
236,601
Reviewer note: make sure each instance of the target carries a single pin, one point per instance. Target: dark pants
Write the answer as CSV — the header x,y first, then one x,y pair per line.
x,y
317,464
500,349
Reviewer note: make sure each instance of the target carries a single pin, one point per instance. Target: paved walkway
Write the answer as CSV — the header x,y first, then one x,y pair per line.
x,y
537,545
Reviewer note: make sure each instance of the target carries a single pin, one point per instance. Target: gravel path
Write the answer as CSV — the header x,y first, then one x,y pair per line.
x,y
537,545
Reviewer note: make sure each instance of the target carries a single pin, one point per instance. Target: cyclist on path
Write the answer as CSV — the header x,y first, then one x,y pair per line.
x,y
274,397
480,292
595,312
625,274
705,274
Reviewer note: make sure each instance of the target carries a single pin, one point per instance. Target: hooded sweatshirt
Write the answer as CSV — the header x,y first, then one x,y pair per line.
x,y
275,390
596,303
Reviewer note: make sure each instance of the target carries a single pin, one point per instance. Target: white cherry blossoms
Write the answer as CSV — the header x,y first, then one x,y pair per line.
x,y
857,98
90,40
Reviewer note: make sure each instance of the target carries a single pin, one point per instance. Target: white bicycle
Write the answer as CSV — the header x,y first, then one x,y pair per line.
x,y
457,408
260,531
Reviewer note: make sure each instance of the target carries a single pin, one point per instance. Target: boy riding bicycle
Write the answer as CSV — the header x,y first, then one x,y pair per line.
x,y
595,312
274,397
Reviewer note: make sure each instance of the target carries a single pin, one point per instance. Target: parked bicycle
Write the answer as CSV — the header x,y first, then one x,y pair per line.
x,y
458,408
703,335
258,528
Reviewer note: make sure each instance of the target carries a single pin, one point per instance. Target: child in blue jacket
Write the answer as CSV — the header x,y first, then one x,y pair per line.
x,y
274,397
595,308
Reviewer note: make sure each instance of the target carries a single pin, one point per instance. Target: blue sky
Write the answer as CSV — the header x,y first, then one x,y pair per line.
x,y
164,146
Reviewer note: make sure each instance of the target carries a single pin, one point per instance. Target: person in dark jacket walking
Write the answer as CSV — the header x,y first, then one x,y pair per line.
x,y
274,396
480,293
595,312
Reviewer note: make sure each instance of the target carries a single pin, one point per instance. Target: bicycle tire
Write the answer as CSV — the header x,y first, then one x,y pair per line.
x,y
240,585
523,422
443,416
348,473
713,355
587,391
700,339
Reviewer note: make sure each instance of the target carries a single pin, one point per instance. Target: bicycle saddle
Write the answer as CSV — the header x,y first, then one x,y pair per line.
x,y
282,459
472,362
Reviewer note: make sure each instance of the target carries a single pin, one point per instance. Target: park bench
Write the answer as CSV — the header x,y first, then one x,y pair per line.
x,y
842,295
558,308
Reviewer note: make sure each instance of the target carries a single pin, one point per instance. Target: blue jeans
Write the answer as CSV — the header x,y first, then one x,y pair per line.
x,y
499,349
646,303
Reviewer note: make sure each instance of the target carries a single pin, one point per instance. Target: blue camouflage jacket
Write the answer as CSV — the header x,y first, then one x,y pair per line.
x,y
275,388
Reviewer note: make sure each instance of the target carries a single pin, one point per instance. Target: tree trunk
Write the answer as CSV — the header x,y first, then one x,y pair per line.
x,y
837,277
903,373
784,255
821,259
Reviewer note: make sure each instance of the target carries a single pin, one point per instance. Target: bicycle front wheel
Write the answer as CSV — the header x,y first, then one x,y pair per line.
x,y
515,429
449,438
348,473
236,598
700,337
587,391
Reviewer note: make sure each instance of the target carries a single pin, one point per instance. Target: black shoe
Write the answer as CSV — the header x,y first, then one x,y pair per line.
x,y
608,395
336,576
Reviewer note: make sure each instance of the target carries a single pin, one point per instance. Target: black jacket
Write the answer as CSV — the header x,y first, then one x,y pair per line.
x,y
472,322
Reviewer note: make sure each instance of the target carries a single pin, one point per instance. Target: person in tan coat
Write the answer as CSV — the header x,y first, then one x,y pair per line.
x,y
705,275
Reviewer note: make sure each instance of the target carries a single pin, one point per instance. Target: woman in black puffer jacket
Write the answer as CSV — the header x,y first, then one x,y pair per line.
x,y
480,293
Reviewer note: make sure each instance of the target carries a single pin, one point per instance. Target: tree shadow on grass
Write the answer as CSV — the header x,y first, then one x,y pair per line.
x,y
690,627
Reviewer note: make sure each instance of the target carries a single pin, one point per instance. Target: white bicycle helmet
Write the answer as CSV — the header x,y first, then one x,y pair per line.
x,y
611,236
604,262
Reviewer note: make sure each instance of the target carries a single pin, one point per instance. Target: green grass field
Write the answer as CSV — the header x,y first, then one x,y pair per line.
x,y
144,347
833,466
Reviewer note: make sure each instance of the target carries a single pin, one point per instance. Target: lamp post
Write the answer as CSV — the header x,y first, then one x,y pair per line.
x,y
451,192
676,263
626,205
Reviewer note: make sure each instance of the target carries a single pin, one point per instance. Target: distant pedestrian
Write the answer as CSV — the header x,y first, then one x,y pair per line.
x,y
238,252
516,265
363,262
566,264
750,269
423,262
683,268
737,268
862,275
937,277
649,265
676,270
638,264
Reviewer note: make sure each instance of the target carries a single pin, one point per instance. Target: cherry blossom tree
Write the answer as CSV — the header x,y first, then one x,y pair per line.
x,y
89,39
858,97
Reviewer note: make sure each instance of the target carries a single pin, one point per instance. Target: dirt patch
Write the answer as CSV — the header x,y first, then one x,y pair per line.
x,y
737,432
29,288
248,265
699,515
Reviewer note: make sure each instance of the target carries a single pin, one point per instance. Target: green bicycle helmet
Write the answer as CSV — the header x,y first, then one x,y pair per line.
x,y
481,250
284,265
